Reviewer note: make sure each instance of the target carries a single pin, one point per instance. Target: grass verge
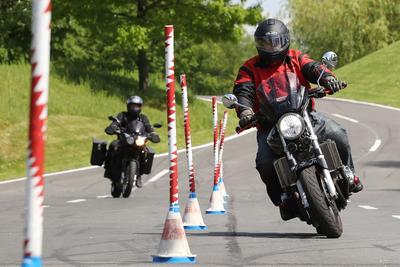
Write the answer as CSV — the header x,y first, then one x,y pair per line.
x,y
76,114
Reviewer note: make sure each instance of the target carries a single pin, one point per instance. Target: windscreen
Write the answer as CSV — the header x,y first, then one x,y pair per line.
x,y
136,127
279,94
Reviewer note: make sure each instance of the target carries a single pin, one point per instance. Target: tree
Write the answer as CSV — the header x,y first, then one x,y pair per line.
x,y
351,28
132,31
15,19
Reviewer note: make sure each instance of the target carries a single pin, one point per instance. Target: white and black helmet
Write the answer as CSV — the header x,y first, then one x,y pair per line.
x,y
134,105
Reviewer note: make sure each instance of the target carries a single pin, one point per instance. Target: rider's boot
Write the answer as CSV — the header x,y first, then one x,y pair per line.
x,y
286,208
355,182
139,181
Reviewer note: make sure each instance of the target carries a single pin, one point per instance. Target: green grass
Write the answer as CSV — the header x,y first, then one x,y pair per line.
x,y
78,112
374,78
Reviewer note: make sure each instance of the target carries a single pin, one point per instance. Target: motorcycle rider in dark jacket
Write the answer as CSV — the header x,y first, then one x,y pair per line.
x,y
272,42
134,107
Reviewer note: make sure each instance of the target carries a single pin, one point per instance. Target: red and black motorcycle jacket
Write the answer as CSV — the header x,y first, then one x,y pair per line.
x,y
254,71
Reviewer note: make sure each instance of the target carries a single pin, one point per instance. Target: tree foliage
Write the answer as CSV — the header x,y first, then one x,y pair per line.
x,y
92,39
129,34
351,28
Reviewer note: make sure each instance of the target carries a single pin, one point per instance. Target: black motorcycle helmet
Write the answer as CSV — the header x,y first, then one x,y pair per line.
x,y
134,105
272,41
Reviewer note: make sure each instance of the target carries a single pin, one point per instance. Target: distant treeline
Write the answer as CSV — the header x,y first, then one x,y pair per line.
x,y
351,28
92,38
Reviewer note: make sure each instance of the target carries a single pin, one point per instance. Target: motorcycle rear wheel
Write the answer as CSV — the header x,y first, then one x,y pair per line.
x,y
129,179
326,216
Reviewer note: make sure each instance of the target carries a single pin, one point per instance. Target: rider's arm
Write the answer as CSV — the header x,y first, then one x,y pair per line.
x,y
153,136
146,122
114,126
312,69
244,88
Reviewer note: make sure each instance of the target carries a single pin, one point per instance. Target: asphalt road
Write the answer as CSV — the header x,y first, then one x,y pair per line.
x,y
84,227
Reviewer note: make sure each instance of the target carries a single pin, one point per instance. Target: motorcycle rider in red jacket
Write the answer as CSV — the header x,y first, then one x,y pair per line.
x,y
272,42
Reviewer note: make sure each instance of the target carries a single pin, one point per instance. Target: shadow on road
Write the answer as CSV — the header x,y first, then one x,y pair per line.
x,y
260,235
385,164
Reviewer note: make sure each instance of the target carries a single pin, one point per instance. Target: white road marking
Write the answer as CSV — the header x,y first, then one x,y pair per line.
x,y
396,216
367,207
46,206
361,103
76,200
232,137
205,145
376,145
157,176
345,118
104,196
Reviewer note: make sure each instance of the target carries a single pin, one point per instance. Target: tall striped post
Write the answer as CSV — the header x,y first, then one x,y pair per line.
x,y
216,205
192,219
220,155
173,247
40,61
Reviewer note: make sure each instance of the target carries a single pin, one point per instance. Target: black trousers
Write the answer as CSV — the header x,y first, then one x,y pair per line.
x,y
265,156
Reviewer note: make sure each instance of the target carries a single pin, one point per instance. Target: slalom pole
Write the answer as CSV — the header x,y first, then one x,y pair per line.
x,y
220,155
40,61
173,247
192,219
216,205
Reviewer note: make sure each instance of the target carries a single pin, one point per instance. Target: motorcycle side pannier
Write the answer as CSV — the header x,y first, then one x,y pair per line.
x,y
147,161
99,151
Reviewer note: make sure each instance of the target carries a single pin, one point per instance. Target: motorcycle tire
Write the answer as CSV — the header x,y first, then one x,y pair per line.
x,y
131,172
325,216
116,189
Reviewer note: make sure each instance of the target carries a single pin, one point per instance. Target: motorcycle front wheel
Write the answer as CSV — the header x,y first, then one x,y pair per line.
x,y
325,216
130,177
116,189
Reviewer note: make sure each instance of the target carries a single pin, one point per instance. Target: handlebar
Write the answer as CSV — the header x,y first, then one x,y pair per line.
x,y
320,92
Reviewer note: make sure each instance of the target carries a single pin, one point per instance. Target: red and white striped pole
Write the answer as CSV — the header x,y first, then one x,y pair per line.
x,y
220,155
173,247
216,205
40,61
192,219
188,135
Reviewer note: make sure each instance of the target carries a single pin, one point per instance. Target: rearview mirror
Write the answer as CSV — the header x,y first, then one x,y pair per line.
x,y
157,125
112,118
330,60
229,101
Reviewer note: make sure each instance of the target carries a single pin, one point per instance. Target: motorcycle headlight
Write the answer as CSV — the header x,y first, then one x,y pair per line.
x,y
140,141
130,140
291,126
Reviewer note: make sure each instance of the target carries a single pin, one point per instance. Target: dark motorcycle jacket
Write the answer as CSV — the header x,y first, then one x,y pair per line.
x,y
254,71
126,119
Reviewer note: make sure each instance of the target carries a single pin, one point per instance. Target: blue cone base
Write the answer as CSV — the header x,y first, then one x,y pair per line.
x,y
158,259
215,212
195,227
32,262
193,195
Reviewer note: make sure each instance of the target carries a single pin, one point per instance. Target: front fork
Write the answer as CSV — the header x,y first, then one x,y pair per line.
x,y
321,160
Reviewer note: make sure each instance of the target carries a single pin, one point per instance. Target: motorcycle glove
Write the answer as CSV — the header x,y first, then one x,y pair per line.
x,y
331,83
154,137
246,117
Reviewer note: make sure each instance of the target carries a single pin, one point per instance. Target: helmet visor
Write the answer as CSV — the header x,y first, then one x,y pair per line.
x,y
272,42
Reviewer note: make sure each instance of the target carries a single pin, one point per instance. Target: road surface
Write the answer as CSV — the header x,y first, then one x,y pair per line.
x,y
85,227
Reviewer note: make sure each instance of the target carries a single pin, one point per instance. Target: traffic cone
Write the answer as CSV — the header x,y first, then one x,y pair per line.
x,y
222,185
216,202
174,247
223,189
192,219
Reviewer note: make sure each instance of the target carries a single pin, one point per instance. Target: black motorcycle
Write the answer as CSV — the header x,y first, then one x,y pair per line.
x,y
311,171
135,157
